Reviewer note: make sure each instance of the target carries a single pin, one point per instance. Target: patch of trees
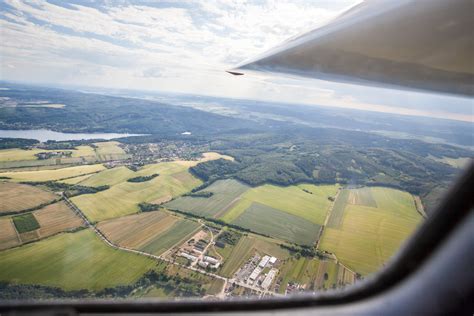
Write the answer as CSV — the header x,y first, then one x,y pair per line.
x,y
178,286
7,143
143,178
209,170
64,145
148,207
304,251
48,155
229,237
70,190
202,194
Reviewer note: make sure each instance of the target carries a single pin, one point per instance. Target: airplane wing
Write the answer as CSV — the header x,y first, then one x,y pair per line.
x,y
421,45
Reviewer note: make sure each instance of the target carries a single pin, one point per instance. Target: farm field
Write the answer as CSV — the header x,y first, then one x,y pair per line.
x,y
123,198
15,197
72,261
108,177
134,231
178,232
292,200
337,213
52,175
292,213
278,224
17,154
56,218
368,236
225,193
108,148
25,223
76,180
8,235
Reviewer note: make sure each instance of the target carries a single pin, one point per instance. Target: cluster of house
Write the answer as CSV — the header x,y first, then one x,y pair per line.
x,y
261,279
53,154
193,251
205,262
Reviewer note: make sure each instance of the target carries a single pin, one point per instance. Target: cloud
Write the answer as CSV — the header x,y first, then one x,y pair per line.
x,y
176,46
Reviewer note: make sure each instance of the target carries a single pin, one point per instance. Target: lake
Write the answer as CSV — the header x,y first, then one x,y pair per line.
x,y
44,135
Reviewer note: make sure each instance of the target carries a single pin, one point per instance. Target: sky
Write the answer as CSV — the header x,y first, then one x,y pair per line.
x,y
185,46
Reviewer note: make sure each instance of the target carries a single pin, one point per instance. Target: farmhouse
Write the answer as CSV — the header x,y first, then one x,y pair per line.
x,y
203,264
211,260
188,256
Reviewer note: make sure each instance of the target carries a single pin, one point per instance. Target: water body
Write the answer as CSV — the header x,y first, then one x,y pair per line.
x,y
44,135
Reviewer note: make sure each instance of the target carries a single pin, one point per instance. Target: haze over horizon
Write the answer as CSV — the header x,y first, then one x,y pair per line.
x,y
185,47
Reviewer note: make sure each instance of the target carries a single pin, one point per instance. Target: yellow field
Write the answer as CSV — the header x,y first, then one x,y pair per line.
x,y
369,236
56,218
109,177
135,231
109,148
75,180
51,175
17,197
17,154
8,235
124,197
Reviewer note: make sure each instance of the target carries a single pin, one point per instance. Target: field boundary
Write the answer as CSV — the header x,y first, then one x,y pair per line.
x,y
328,214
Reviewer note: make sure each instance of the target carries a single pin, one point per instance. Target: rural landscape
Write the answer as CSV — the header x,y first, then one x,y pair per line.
x,y
241,199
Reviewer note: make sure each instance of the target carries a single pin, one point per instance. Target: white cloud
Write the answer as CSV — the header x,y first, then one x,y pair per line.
x,y
183,47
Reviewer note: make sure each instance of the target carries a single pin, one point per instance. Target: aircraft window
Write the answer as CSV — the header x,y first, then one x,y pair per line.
x,y
132,166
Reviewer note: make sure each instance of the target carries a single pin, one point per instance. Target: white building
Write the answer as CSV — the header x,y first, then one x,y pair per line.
x,y
255,273
272,260
211,260
264,261
188,256
269,278
203,264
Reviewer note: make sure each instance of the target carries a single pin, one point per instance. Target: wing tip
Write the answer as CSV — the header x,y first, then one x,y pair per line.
x,y
235,73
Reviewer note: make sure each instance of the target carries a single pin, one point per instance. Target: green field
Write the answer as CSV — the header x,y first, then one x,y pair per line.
x,y
292,200
292,213
52,175
369,236
25,223
176,233
280,225
72,261
225,192
123,198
